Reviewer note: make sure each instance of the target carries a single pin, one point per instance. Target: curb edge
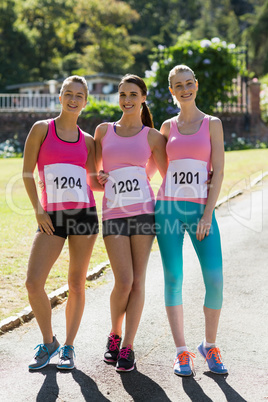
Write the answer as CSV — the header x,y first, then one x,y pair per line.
x,y
55,297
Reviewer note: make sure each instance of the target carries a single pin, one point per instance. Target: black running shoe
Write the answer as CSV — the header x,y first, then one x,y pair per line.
x,y
112,351
126,359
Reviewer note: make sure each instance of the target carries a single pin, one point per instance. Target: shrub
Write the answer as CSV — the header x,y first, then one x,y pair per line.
x,y
101,110
240,143
214,62
10,148
264,98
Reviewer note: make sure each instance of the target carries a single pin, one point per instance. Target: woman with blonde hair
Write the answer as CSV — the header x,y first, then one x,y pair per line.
x,y
194,146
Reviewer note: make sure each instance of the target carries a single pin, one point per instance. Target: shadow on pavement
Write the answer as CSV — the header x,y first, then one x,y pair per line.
x,y
193,390
49,391
142,388
89,388
230,394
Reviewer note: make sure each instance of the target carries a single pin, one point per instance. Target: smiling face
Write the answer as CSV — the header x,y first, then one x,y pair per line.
x,y
130,97
73,97
183,87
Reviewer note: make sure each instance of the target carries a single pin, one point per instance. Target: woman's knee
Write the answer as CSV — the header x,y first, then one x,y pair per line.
x,y
76,285
124,285
214,292
34,285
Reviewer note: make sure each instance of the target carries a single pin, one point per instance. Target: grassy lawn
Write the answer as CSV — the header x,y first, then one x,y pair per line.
x,y
18,225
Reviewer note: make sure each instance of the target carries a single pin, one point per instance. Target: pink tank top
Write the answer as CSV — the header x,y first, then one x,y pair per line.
x,y
191,157
62,168
126,152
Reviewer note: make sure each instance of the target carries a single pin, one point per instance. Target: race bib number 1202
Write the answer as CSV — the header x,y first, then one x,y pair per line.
x,y
65,183
127,186
186,179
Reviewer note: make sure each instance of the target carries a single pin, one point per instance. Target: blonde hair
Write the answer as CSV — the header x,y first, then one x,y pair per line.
x,y
180,68
75,78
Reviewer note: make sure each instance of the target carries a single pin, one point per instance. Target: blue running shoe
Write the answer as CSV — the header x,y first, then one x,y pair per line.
x,y
213,358
45,352
182,363
66,358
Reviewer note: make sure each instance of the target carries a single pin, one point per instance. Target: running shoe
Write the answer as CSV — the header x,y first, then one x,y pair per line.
x,y
183,362
126,359
213,358
112,348
45,352
66,358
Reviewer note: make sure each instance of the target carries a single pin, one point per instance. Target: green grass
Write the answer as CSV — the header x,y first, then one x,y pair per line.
x,y
18,225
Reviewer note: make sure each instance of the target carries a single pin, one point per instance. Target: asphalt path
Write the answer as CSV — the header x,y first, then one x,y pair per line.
x,y
242,335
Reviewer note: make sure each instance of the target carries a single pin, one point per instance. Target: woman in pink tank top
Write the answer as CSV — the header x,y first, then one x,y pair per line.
x,y
65,157
184,203
123,150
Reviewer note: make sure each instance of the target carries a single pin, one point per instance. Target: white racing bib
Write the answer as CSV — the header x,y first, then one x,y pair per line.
x,y
65,183
186,179
127,186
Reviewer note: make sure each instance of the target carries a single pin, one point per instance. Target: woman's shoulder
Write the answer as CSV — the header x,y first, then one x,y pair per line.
x,y
88,137
213,118
214,121
215,127
41,125
101,130
165,128
39,128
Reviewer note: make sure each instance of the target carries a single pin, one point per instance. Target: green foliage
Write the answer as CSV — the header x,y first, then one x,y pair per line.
x,y
160,22
264,98
16,50
213,63
103,36
46,39
256,35
49,26
241,143
101,111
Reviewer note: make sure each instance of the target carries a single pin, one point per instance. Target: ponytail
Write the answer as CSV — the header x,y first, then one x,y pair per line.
x,y
146,116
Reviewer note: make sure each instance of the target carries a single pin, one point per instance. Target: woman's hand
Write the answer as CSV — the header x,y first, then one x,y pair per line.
x,y
102,177
41,185
44,222
203,227
208,182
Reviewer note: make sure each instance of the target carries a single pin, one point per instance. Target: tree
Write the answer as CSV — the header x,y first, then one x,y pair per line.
x,y
160,22
103,38
257,36
16,50
49,25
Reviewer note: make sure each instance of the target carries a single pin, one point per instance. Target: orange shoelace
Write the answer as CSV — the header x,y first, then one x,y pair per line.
x,y
184,358
217,354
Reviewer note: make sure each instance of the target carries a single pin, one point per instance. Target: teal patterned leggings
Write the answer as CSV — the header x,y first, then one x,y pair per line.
x,y
172,218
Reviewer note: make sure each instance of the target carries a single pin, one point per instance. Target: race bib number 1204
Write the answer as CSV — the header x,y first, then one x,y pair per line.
x,y
65,183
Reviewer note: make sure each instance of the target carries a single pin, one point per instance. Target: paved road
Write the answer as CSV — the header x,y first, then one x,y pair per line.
x,y
242,333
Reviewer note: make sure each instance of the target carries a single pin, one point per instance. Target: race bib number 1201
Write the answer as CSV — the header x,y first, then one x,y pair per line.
x,y
186,179
65,183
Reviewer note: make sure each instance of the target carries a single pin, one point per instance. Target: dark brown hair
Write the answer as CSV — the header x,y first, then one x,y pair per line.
x,y
146,116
